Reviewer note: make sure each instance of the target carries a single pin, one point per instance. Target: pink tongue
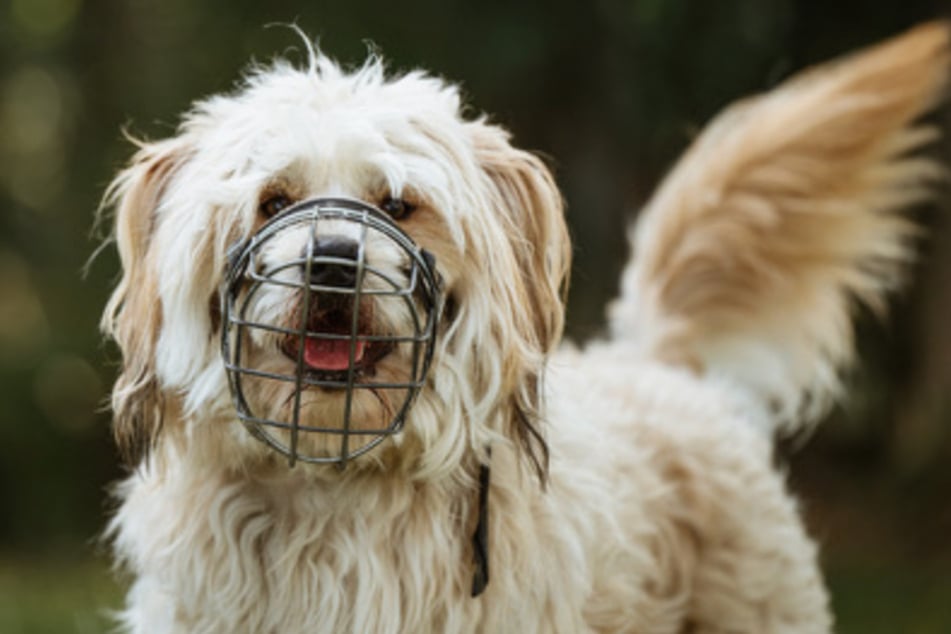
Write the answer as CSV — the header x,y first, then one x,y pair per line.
x,y
331,354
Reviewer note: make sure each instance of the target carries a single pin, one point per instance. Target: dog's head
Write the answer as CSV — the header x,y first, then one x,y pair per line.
x,y
487,215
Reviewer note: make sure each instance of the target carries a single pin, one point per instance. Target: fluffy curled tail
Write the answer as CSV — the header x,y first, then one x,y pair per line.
x,y
783,215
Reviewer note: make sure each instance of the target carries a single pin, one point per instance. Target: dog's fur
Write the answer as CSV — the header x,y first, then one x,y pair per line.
x,y
632,481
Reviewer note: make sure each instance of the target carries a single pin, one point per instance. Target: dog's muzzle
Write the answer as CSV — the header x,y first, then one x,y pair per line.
x,y
332,276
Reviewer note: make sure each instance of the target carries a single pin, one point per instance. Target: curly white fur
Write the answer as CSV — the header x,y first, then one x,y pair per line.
x,y
662,511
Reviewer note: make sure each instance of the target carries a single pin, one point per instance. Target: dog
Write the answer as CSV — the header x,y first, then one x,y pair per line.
x,y
345,400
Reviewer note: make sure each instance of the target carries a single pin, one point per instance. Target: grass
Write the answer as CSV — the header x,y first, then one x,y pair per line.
x,y
880,600
56,598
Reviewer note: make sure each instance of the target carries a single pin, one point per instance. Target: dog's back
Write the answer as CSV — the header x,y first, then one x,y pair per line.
x,y
736,308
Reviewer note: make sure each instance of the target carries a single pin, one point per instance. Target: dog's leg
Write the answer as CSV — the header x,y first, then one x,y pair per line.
x,y
752,567
757,569
149,610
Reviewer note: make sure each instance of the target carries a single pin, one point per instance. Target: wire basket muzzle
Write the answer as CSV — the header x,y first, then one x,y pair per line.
x,y
328,378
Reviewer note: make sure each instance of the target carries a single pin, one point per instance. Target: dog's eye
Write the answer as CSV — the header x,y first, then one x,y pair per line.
x,y
397,208
273,205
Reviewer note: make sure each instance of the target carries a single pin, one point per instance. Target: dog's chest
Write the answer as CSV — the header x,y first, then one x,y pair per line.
x,y
213,555
227,558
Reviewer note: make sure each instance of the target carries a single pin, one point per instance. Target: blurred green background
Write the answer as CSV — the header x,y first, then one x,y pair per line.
x,y
611,90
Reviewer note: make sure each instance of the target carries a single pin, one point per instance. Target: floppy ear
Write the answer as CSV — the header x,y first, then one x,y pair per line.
x,y
133,314
528,311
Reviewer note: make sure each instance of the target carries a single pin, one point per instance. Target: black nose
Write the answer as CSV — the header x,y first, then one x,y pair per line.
x,y
334,261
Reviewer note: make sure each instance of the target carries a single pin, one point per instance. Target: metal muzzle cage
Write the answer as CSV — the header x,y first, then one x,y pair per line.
x,y
413,289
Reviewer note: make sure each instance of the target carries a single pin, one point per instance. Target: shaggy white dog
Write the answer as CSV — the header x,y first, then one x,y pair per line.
x,y
632,486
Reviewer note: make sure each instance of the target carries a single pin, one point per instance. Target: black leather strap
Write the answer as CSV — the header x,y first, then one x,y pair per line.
x,y
480,539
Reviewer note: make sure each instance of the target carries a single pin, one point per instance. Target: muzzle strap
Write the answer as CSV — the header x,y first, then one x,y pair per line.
x,y
480,538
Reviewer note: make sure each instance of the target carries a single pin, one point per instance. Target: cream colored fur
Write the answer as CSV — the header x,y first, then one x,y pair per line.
x,y
781,217
662,511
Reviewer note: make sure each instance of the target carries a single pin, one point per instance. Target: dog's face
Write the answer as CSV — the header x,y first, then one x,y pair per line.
x,y
488,214
351,303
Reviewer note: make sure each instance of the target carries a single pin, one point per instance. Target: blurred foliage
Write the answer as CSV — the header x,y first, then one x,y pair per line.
x,y
611,90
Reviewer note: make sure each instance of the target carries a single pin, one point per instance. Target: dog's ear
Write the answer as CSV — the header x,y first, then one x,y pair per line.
x,y
529,304
133,315
528,199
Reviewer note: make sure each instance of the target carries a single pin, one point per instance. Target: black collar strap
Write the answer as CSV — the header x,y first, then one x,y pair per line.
x,y
480,539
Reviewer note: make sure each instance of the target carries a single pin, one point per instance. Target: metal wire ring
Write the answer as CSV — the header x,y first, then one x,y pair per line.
x,y
420,295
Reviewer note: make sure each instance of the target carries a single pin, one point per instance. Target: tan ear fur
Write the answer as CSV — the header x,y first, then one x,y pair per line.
x,y
528,193
531,310
133,315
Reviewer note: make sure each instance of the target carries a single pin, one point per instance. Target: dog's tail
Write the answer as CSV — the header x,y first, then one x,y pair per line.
x,y
782,216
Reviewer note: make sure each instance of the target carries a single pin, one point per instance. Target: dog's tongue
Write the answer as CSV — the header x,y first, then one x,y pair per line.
x,y
331,354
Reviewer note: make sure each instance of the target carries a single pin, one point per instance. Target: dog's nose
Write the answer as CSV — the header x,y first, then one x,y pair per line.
x,y
334,261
